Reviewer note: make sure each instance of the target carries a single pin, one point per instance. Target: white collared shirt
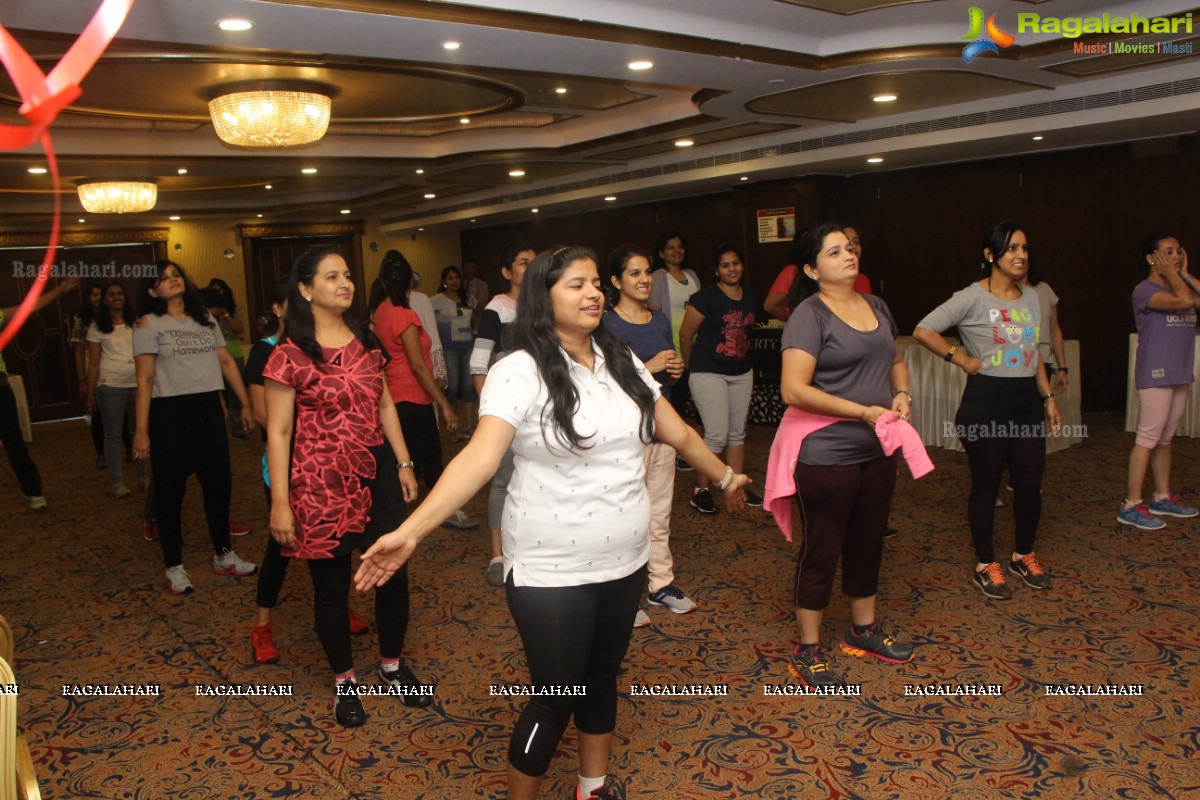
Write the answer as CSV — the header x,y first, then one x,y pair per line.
x,y
571,517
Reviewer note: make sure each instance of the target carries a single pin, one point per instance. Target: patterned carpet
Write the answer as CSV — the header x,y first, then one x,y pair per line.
x,y
85,596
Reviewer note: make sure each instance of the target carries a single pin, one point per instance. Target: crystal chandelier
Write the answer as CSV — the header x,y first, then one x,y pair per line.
x,y
117,197
274,114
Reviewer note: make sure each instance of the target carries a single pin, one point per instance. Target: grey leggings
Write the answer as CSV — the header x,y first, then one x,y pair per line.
x,y
724,403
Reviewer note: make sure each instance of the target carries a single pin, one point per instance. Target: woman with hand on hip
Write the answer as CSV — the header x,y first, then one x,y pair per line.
x,y
578,409
346,479
648,335
1002,417
1164,307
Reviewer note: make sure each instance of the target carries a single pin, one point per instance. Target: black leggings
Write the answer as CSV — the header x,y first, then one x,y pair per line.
x,y
419,425
573,636
272,569
14,442
1025,458
331,609
187,434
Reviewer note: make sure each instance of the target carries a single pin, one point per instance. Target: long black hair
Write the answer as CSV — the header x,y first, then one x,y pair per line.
x,y
618,261
997,239
805,251
104,320
87,313
223,287
299,326
534,333
193,303
394,282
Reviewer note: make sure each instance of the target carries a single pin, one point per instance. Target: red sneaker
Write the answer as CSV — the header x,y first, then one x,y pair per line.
x,y
238,529
264,649
150,531
357,626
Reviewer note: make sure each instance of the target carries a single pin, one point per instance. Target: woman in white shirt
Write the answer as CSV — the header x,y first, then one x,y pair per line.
x,y
112,382
578,409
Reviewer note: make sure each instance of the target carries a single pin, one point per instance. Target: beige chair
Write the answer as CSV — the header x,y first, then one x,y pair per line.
x,y
17,779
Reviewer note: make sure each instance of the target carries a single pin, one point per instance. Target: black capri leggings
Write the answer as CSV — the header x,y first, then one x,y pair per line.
x,y
573,636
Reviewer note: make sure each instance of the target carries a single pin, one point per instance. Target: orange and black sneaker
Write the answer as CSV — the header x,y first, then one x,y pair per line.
x,y
264,648
990,581
810,663
873,642
1030,571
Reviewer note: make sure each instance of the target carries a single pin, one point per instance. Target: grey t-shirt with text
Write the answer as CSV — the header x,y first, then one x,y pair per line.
x,y
187,361
1003,334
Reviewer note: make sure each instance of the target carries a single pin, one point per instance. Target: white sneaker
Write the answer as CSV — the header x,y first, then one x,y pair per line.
x,y
120,490
641,619
178,581
460,521
228,563
36,502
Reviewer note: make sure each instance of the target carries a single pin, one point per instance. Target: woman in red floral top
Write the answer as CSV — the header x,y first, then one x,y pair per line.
x,y
350,470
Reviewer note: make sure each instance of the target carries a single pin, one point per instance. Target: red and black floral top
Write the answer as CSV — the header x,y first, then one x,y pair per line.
x,y
337,426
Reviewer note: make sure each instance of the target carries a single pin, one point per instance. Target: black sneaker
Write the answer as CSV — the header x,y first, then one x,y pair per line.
x,y
875,643
990,581
752,499
611,790
889,532
681,464
811,666
347,707
702,501
402,678
1030,571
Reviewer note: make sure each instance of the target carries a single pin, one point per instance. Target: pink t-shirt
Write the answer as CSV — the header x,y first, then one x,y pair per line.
x,y
391,321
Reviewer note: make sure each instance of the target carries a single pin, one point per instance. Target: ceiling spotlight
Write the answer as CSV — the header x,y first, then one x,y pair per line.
x,y
258,215
451,45
81,219
174,218
875,160
268,186
420,172
611,198
182,171
472,220
684,143
235,25
465,121
638,66
430,195
1038,138
884,98
560,90
345,211
744,178
270,113
533,211
516,173
420,229
309,170
38,170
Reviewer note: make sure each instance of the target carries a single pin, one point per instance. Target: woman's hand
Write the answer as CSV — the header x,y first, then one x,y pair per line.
x,y
450,417
871,414
383,558
408,484
735,495
248,421
902,406
675,366
1162,263
661,361
1061,380
141,446
971,365
283,525
1052,416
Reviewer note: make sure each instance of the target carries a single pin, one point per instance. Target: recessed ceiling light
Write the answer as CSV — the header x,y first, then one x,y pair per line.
x,y
430,195
1038,138
420,172
684,143
82,220
235,24
258,215
309,170
420,229
744,178
174,217
465,121
884,98
875,160
38,170
610,198
640,65
775,80
472,220
345,211
182,170
269,186
451,45
533,211
560,90
516,173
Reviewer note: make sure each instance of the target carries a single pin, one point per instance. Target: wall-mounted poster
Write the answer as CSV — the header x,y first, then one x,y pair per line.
x,y
776,225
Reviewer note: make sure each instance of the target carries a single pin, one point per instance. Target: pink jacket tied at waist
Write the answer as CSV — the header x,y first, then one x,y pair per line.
x,y
892,431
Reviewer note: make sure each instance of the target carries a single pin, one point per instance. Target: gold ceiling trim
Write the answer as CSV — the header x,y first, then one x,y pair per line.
x,y
107,236
301,229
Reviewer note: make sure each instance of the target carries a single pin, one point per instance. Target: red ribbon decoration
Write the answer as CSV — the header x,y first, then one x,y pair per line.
x,y
44,96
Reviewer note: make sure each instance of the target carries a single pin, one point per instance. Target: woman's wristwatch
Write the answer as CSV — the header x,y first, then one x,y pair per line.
x,y
406,465
950,353
904,392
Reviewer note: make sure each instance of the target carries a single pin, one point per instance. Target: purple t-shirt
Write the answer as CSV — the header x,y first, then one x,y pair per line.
x,y
646,340
1166,349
